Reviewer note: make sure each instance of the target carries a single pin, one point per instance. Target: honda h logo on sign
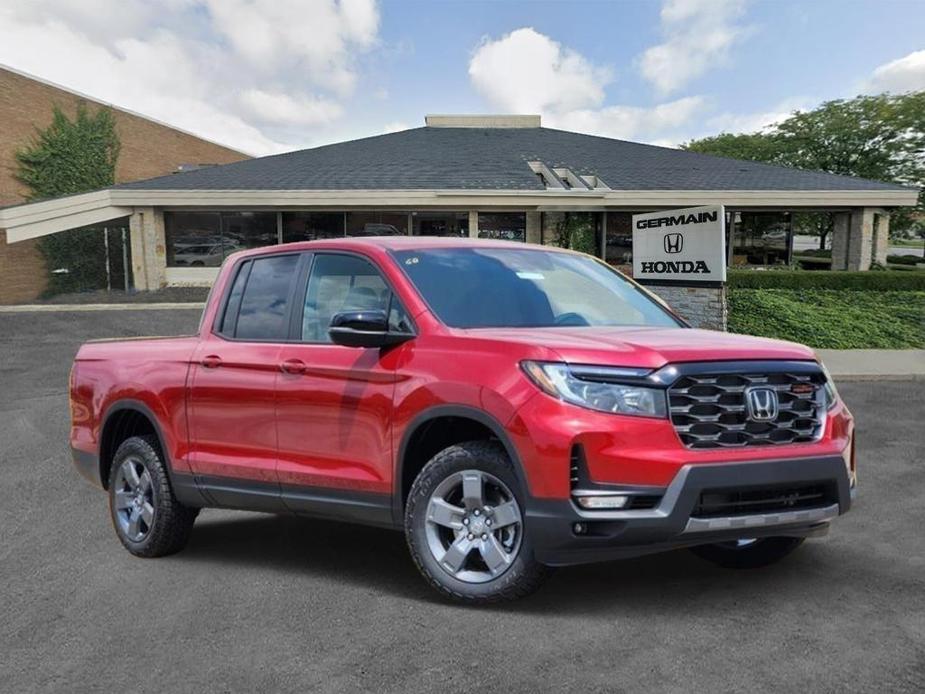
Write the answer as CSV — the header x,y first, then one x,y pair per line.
x,y
673,243
687,245
762,404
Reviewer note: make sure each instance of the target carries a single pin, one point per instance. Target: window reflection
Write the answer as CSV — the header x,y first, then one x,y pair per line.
x,y
507,226
440,223
761,238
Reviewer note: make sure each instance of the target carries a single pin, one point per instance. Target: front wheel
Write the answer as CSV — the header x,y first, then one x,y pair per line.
x,y
465,527
748,553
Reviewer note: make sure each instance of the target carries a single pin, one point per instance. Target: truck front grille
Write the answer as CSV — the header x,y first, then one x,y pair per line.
x,y
709,410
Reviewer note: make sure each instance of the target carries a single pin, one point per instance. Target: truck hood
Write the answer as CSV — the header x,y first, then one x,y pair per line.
x,y
645,347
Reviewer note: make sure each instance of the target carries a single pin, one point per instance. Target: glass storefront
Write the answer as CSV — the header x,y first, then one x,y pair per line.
x,y
579,231
377,223
309,226
440,223
760,238
618,247
205,239
507,226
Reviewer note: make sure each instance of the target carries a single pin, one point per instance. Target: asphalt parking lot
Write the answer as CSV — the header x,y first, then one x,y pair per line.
x,y
265,603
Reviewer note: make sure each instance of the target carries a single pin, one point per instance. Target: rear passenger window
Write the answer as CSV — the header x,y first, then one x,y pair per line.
x,y
264,299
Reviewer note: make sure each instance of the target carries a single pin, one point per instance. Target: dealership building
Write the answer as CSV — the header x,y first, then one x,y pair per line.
x,y
502,177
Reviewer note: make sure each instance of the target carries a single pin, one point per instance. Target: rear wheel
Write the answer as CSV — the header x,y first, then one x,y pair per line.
x,y
147,518
465,526
750,553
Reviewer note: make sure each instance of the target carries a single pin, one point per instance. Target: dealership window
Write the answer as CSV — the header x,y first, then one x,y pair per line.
x,y
618,248
761,238
309,226
440,223
579,231
205,239
377,223
507,226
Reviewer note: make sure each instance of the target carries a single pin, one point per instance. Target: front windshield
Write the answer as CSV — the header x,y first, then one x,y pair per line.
x,y
513,288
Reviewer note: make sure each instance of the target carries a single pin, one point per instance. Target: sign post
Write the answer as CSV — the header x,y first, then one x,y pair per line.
x,y
680,246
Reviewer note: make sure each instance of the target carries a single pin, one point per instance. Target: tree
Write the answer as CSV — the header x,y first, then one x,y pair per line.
x,y
68,157
877,137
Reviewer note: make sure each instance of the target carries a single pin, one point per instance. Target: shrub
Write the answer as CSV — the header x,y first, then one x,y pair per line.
x,y
794,279
833,319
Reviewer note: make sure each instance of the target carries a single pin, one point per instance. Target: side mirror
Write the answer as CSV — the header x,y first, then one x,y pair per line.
x,y
364,329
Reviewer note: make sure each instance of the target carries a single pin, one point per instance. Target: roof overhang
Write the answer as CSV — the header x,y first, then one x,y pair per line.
x,y
50,216
36,219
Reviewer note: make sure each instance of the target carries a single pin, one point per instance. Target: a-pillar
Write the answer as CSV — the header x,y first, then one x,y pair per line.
x,y
149,250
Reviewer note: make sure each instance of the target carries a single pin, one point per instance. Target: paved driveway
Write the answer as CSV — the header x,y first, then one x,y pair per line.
x,y
264,603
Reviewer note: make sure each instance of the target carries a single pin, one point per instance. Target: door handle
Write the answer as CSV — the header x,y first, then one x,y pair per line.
x,y
293,366
213,361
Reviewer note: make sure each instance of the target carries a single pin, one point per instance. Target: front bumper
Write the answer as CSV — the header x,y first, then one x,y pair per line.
x,y
671,524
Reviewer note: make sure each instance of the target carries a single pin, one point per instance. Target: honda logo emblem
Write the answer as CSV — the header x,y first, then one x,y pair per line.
x,y
673,243
762,404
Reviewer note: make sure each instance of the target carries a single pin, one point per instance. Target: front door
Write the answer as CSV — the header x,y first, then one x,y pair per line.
x,y
232,424
334,403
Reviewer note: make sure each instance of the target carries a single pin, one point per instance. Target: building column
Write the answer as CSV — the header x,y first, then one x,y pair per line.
x,y
149,248
534,232
473,224
881,246
840,240
861,239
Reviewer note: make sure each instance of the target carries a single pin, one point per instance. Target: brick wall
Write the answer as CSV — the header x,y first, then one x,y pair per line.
x,y
702,307
148,149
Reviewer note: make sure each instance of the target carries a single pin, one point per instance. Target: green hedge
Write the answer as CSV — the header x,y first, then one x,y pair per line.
x,y
796,279
823,318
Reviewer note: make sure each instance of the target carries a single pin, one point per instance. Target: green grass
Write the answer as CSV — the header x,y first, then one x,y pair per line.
x,y
831,319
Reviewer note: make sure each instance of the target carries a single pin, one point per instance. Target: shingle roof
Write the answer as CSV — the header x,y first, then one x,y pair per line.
x,y
496,158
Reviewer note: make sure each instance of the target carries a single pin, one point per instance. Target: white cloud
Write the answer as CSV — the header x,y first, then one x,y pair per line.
x,y
394,127
257,75
905,74
284,109
760,120
528,72
699,34
631,122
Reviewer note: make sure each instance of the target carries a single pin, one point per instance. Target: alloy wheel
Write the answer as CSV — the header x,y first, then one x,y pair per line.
x,y
133,499
473,526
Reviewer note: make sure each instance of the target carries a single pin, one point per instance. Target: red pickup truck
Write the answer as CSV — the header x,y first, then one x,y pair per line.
x,y
511,407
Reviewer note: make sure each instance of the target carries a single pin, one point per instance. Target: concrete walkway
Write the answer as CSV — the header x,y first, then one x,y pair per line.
x,y
874,364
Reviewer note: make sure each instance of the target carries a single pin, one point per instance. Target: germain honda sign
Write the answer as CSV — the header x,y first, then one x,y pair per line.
x,y
686,245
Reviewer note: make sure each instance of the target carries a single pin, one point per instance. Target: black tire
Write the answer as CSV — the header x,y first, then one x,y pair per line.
x,y
522,576
762,552
171,524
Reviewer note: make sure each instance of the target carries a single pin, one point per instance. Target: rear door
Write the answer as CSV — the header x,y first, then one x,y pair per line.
x,y
233,448
334,403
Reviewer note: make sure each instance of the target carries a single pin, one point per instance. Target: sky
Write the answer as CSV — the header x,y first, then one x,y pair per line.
x,y
269,76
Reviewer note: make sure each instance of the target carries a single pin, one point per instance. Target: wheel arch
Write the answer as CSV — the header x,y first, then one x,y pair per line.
x,y
126,418
407,466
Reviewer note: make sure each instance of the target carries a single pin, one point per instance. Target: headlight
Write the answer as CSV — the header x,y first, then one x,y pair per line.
x,y
594,388
831,394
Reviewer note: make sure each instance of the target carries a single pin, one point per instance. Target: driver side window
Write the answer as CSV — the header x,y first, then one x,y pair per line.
x,y
346,283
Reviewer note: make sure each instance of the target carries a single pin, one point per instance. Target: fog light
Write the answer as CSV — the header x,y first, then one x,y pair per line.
x,y
597,503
